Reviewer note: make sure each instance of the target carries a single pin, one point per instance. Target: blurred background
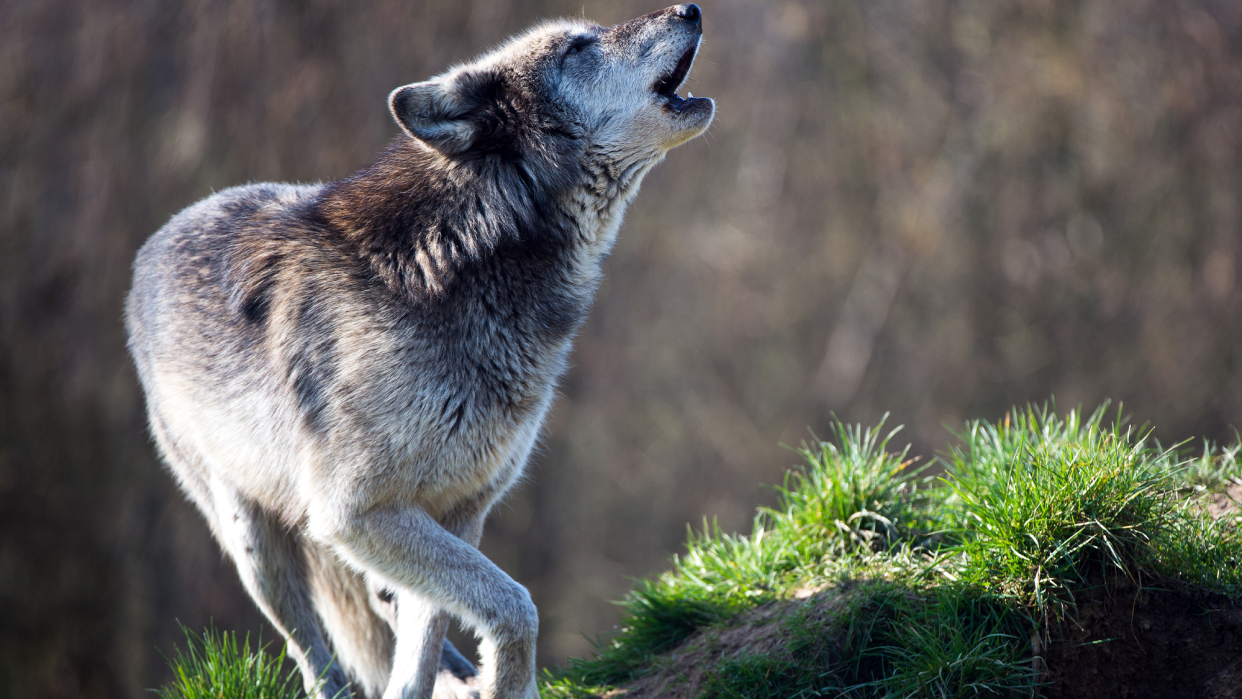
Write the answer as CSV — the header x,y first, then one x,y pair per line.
x,y
936,209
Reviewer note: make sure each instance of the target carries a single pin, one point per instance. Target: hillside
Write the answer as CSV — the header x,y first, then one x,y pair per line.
x,y
1056,556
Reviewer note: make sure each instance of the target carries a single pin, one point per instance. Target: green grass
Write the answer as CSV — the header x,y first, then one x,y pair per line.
x,y
943,586
1044,503
955,642
214,665
1214,468
873,579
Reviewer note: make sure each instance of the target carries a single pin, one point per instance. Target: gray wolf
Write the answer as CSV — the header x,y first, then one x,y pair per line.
x,y
344,377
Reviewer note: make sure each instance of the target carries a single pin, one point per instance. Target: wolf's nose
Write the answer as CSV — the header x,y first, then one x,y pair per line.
x,y
690,12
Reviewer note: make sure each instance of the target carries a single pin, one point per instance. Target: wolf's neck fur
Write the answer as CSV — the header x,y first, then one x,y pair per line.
x,y
500,263
422,223
609,182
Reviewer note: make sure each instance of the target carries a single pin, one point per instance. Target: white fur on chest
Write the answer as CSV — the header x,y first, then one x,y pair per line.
x,y
397,447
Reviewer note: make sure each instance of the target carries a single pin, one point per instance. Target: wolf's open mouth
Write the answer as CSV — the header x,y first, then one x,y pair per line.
x,y
666,86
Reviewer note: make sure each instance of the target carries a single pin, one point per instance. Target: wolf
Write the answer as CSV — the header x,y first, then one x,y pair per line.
x,y
345,377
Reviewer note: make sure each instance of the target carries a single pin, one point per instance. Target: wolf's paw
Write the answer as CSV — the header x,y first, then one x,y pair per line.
x,y
450,686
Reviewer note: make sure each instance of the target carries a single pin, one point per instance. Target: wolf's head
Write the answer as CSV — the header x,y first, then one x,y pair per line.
x,y
564,89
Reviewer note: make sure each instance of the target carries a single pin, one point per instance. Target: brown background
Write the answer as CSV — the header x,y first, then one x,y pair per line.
x,y
937,209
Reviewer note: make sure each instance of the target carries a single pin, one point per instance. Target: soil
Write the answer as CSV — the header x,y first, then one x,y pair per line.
x,y
683,669
1125,644
1225,502
1150,644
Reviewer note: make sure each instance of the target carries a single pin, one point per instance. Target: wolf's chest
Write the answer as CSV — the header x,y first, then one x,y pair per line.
x,y
473,452
462,425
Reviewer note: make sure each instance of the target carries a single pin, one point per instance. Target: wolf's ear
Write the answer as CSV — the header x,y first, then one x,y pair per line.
x,y
436,113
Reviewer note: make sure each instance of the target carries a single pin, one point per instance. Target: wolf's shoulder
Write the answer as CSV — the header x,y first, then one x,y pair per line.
x,y
257,209
257,219
235,250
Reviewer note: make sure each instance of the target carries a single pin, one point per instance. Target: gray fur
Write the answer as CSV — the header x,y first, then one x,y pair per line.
x,y
345,377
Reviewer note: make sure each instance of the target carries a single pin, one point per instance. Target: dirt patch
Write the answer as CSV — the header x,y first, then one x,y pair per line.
x,y
1226,502
1125,644
1129,644
681,673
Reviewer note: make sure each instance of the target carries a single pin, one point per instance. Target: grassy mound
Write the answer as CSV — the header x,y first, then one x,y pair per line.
x,y
871,580
1048,548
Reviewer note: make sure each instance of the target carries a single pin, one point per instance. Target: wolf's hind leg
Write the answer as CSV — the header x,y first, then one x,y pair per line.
x,y
458,678
358,630
273,570
452,681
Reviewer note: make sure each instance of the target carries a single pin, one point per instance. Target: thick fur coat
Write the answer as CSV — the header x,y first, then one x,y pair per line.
x,y
345,377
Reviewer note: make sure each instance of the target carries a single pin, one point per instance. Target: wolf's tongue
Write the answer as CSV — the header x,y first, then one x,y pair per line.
x,y
667,84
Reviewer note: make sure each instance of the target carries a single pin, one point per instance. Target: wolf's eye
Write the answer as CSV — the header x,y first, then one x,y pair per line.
x,y
579,44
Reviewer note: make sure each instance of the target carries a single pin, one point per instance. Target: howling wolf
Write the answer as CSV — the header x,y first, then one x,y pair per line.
x,y
345,377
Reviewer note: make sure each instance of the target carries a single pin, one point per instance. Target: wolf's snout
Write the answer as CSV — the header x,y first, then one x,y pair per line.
x,y
693,113
689,12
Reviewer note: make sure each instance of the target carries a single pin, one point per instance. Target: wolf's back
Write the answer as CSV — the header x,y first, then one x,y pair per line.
x,y
198,317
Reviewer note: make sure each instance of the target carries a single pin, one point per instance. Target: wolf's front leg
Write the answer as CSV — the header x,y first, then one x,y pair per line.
x,y
420,627
436,570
